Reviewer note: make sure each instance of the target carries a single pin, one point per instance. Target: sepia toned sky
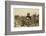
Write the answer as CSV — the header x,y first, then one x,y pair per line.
x,y
24,11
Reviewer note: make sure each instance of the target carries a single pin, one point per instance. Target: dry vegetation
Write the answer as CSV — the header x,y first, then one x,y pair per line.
x,y
24,21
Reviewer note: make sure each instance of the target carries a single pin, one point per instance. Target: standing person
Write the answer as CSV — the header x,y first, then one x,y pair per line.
x,y
28,21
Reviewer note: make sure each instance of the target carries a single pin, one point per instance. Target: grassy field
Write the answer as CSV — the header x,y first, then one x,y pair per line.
x,y
24,22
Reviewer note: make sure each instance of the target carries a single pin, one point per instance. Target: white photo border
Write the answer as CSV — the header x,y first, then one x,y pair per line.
x,y
26,28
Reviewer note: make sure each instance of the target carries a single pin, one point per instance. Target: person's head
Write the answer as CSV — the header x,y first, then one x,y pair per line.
x,y
28,14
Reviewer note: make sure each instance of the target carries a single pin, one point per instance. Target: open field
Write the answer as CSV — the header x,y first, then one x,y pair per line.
x,y
23,21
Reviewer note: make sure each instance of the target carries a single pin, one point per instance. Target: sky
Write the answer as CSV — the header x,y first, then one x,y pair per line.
x,y
24,11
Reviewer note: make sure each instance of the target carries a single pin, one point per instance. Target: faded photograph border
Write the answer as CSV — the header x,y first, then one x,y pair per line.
x,y
25,28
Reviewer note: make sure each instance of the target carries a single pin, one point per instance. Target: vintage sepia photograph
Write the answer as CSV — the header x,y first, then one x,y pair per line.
x,y
26,17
